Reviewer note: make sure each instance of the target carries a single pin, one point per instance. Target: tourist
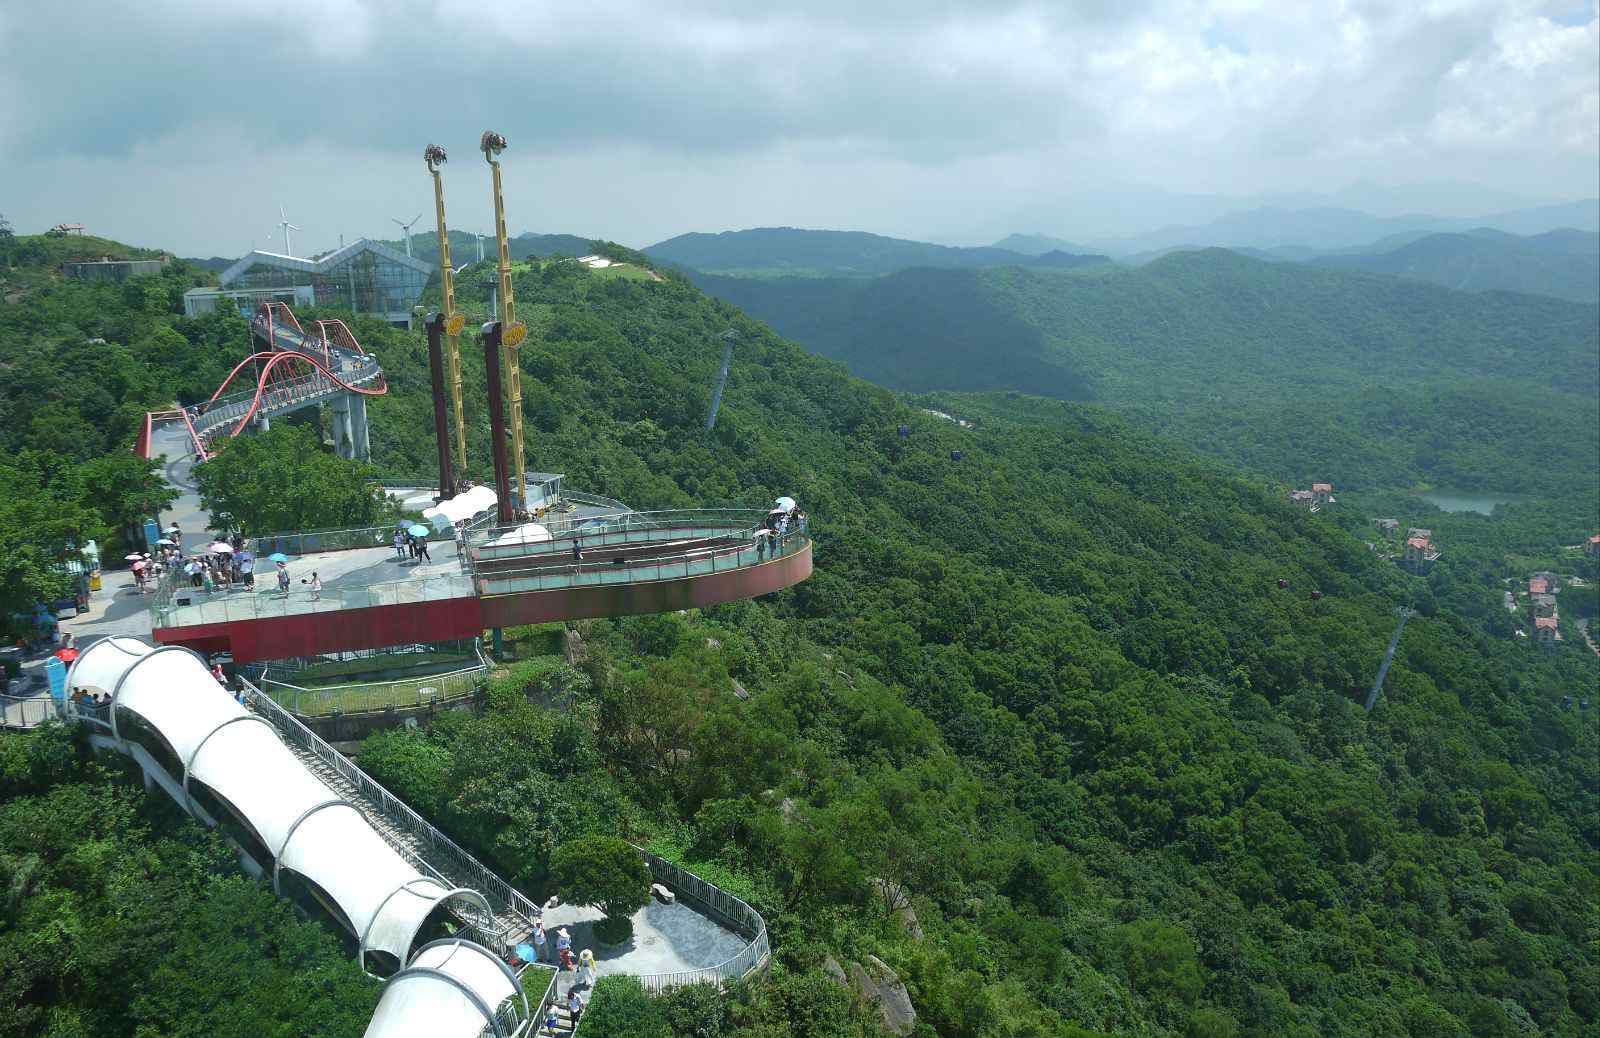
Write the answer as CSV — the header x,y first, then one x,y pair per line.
x,y
577,554
399,546
586,968
283,577
574,1007
138,575
461,540
207,580
216,672
564,948
552,1023
316,586
538,939
422,549
247,571
193,569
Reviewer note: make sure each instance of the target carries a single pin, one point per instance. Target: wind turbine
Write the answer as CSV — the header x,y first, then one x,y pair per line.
x,y
407,228
283,222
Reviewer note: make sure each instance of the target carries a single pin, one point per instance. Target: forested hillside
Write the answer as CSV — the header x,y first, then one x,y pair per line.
x,y
1290,371
1048,694
1563,264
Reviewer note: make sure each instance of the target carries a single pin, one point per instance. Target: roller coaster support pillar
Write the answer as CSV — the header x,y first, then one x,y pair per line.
x,y
351,439
497,421
441,422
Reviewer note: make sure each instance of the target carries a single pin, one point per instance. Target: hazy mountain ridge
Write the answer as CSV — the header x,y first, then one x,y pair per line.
x,y
779,251
1564,264
1329,228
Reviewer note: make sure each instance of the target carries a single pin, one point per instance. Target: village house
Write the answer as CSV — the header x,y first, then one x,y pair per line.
x,y
1322,493
1387,527
1544,605
1420,554
1546,632
1591,547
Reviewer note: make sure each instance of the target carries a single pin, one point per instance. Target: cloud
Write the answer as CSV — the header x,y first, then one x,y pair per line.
x,y
893,102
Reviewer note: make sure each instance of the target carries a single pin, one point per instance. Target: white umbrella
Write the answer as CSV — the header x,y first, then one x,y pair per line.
x,y
763,533
132,558
169,542
785,504
220,548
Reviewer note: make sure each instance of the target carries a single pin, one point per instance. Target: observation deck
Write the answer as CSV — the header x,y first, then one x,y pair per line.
x,y
631,563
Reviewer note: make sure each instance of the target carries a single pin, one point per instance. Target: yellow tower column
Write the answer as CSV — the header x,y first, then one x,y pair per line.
x,y
513,333
435,157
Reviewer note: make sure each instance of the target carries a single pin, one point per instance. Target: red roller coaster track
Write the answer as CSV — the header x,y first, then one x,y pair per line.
x,y
293,367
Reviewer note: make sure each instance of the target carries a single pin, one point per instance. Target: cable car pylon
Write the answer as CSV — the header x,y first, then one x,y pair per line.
x,y
1388,657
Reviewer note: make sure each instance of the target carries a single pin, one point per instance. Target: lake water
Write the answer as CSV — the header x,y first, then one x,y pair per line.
x,y
1482,502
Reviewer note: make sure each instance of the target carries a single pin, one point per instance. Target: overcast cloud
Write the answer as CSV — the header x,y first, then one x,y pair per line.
x,y
187,124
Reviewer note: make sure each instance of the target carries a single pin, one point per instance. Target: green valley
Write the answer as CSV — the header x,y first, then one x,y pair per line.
x,y
1287,370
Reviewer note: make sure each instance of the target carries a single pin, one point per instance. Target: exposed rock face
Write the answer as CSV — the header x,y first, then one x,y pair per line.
x,y
576,652
880,986
831,967
739,691
900,901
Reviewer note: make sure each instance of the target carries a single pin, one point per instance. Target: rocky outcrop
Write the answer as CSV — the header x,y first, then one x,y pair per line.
x,y
880,988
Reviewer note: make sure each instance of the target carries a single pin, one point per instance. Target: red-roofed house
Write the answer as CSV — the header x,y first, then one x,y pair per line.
x,y
1322,493
1420,554
1592,548
1538,586
1546,631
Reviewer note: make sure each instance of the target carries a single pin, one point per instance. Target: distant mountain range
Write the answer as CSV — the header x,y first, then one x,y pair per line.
x,y
791,251
1564,264
1323,230
1038,245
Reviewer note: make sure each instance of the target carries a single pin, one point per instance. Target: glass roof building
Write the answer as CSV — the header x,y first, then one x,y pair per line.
x,y
364,276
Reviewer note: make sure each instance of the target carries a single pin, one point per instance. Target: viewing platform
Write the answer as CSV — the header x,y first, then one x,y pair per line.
x,y
629,563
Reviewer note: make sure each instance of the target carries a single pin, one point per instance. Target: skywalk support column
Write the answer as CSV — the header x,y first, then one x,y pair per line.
x,y
497,421
344,440
447,479
360,435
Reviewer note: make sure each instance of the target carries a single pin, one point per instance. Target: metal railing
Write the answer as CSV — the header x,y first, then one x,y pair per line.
x,y
675,566
313,542
502,541
725,909
433,846
178,607
28,711
362,697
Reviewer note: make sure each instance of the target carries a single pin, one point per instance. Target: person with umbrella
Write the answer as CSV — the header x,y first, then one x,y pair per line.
x,y
138,571
419,536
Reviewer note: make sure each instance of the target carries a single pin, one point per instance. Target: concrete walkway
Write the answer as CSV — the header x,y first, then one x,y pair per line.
x,y
666,939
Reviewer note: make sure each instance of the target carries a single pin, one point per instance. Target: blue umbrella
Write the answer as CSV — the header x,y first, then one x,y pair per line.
x,y
526,953
419,531
277,556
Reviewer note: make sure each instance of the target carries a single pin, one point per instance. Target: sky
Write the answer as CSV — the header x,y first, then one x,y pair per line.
x,y
186,124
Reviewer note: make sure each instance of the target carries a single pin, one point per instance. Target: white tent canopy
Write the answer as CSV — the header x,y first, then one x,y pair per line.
x,y
527,533
462,507
239,756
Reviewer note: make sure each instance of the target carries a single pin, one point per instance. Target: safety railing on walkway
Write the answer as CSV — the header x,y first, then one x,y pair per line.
x,y
675,566
187,607
367,696
314,542
721,906
520,539
433,846
28,711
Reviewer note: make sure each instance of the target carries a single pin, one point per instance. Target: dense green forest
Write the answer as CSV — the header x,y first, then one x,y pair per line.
x,y
1048,695
1295,372
1564,264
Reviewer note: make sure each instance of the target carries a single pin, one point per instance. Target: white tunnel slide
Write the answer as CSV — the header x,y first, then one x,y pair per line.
x,y
309,829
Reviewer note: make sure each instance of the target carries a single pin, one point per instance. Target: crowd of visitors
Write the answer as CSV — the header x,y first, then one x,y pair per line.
x,y
785,520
